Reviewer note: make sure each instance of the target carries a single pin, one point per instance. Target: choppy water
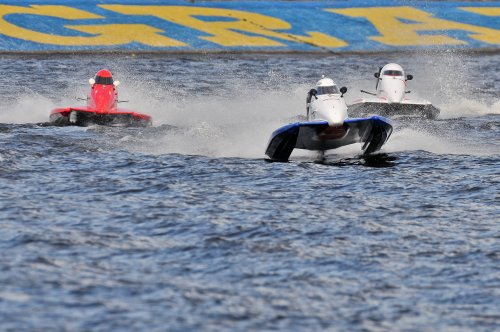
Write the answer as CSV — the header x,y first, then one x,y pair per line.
x,y
185,226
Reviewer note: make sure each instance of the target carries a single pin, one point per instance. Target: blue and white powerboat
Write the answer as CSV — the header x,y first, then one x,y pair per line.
x,y
328,126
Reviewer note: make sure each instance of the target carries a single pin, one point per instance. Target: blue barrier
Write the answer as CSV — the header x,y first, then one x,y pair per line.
x,y
271,26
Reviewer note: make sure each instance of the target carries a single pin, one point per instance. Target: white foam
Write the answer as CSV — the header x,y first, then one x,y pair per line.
x,y
237,125
241,127
414,140
468,108
26,109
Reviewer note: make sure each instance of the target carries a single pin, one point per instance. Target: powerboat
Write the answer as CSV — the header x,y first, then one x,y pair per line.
x,y
102,107
328,126
391,98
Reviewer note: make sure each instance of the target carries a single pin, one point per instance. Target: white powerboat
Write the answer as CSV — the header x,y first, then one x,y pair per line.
x,y
391,98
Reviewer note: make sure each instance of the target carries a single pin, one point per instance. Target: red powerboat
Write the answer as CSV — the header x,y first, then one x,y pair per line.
x,y
102,107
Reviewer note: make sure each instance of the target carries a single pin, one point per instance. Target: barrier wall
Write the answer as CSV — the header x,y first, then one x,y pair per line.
x,y
271,26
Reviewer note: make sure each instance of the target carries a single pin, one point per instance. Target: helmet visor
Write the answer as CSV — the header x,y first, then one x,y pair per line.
x,y
393,73
327,90
104,80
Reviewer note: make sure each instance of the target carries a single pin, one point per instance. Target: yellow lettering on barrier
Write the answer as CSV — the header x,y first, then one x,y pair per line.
x,y
112,34
387,20
116,34
486,11
226,33
48,10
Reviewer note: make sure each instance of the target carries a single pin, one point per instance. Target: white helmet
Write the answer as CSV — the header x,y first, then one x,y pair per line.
x,y
393,69
326,86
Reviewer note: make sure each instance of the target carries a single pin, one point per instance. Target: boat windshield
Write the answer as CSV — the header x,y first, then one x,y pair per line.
x,y
327,90
393,73
104,80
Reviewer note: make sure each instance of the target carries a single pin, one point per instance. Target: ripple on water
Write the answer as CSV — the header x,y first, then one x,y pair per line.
x,y
126,229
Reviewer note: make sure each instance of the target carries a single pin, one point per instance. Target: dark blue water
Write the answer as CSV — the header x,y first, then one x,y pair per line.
x,y
186,227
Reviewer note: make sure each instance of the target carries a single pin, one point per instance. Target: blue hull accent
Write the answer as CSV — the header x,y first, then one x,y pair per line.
x,y
320,136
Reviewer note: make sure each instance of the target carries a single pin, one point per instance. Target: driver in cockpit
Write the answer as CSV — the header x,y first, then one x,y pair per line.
x,y
103,77
325,86
327,90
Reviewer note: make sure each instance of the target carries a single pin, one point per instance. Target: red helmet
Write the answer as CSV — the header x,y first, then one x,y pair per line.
x,y
104,76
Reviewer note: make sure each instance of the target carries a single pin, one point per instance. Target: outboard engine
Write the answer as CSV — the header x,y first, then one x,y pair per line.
x,y
392,83
326,102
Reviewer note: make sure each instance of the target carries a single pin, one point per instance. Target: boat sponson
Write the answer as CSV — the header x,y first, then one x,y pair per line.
x,y
320,136
395,109
85,118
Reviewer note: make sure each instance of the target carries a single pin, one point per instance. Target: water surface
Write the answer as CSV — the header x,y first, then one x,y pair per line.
x,y
185,226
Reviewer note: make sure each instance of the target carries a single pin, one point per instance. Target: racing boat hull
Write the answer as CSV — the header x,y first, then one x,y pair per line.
x,y
85,117
373,132
391,110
